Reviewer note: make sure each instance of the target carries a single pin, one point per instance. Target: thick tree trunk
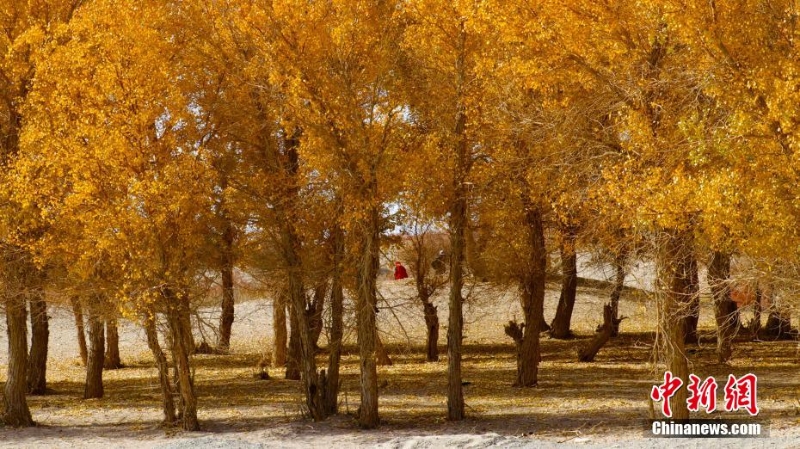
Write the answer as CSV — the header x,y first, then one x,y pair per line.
x,y
532,289
619,285
432,326
279,328
366,306
295,351
177,308
168,402
227,314
725,311
331,398
676,260
40,335
455,330
94,367
16,412
560,327
112,359
185,315
693,316
77,310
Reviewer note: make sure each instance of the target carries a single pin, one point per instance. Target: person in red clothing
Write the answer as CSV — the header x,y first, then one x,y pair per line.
x,y
399,271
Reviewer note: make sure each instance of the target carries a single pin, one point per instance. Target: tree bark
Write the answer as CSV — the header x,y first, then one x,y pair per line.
x,y
228,312
532,289
16,412
676,257
112,359
560,327
366,306
168,402
458,228
432,326
315,312
725,311
455,332
294,355
40,335
279,327
94,367
77,310
226,273
331,398
177,308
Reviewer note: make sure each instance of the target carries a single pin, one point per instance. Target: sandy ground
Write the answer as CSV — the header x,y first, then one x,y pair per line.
x,y
400,320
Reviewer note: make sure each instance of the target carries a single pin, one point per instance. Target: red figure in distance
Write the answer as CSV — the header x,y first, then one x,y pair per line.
x,y
399,271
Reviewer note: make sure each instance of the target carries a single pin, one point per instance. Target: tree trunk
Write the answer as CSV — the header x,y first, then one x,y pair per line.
x,y
77,310
366,306
455,330
619,285
168,402
177,308
279,327
560,327
226,273
588,353
16,412
227,315
40,334
725,311
532,288
692,318
331,398
432,325
294,355
303,350
112,359
676,260
94,367
185,314
315,312
458,228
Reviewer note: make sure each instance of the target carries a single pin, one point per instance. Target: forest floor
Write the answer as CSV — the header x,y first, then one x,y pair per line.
x,y
599,404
